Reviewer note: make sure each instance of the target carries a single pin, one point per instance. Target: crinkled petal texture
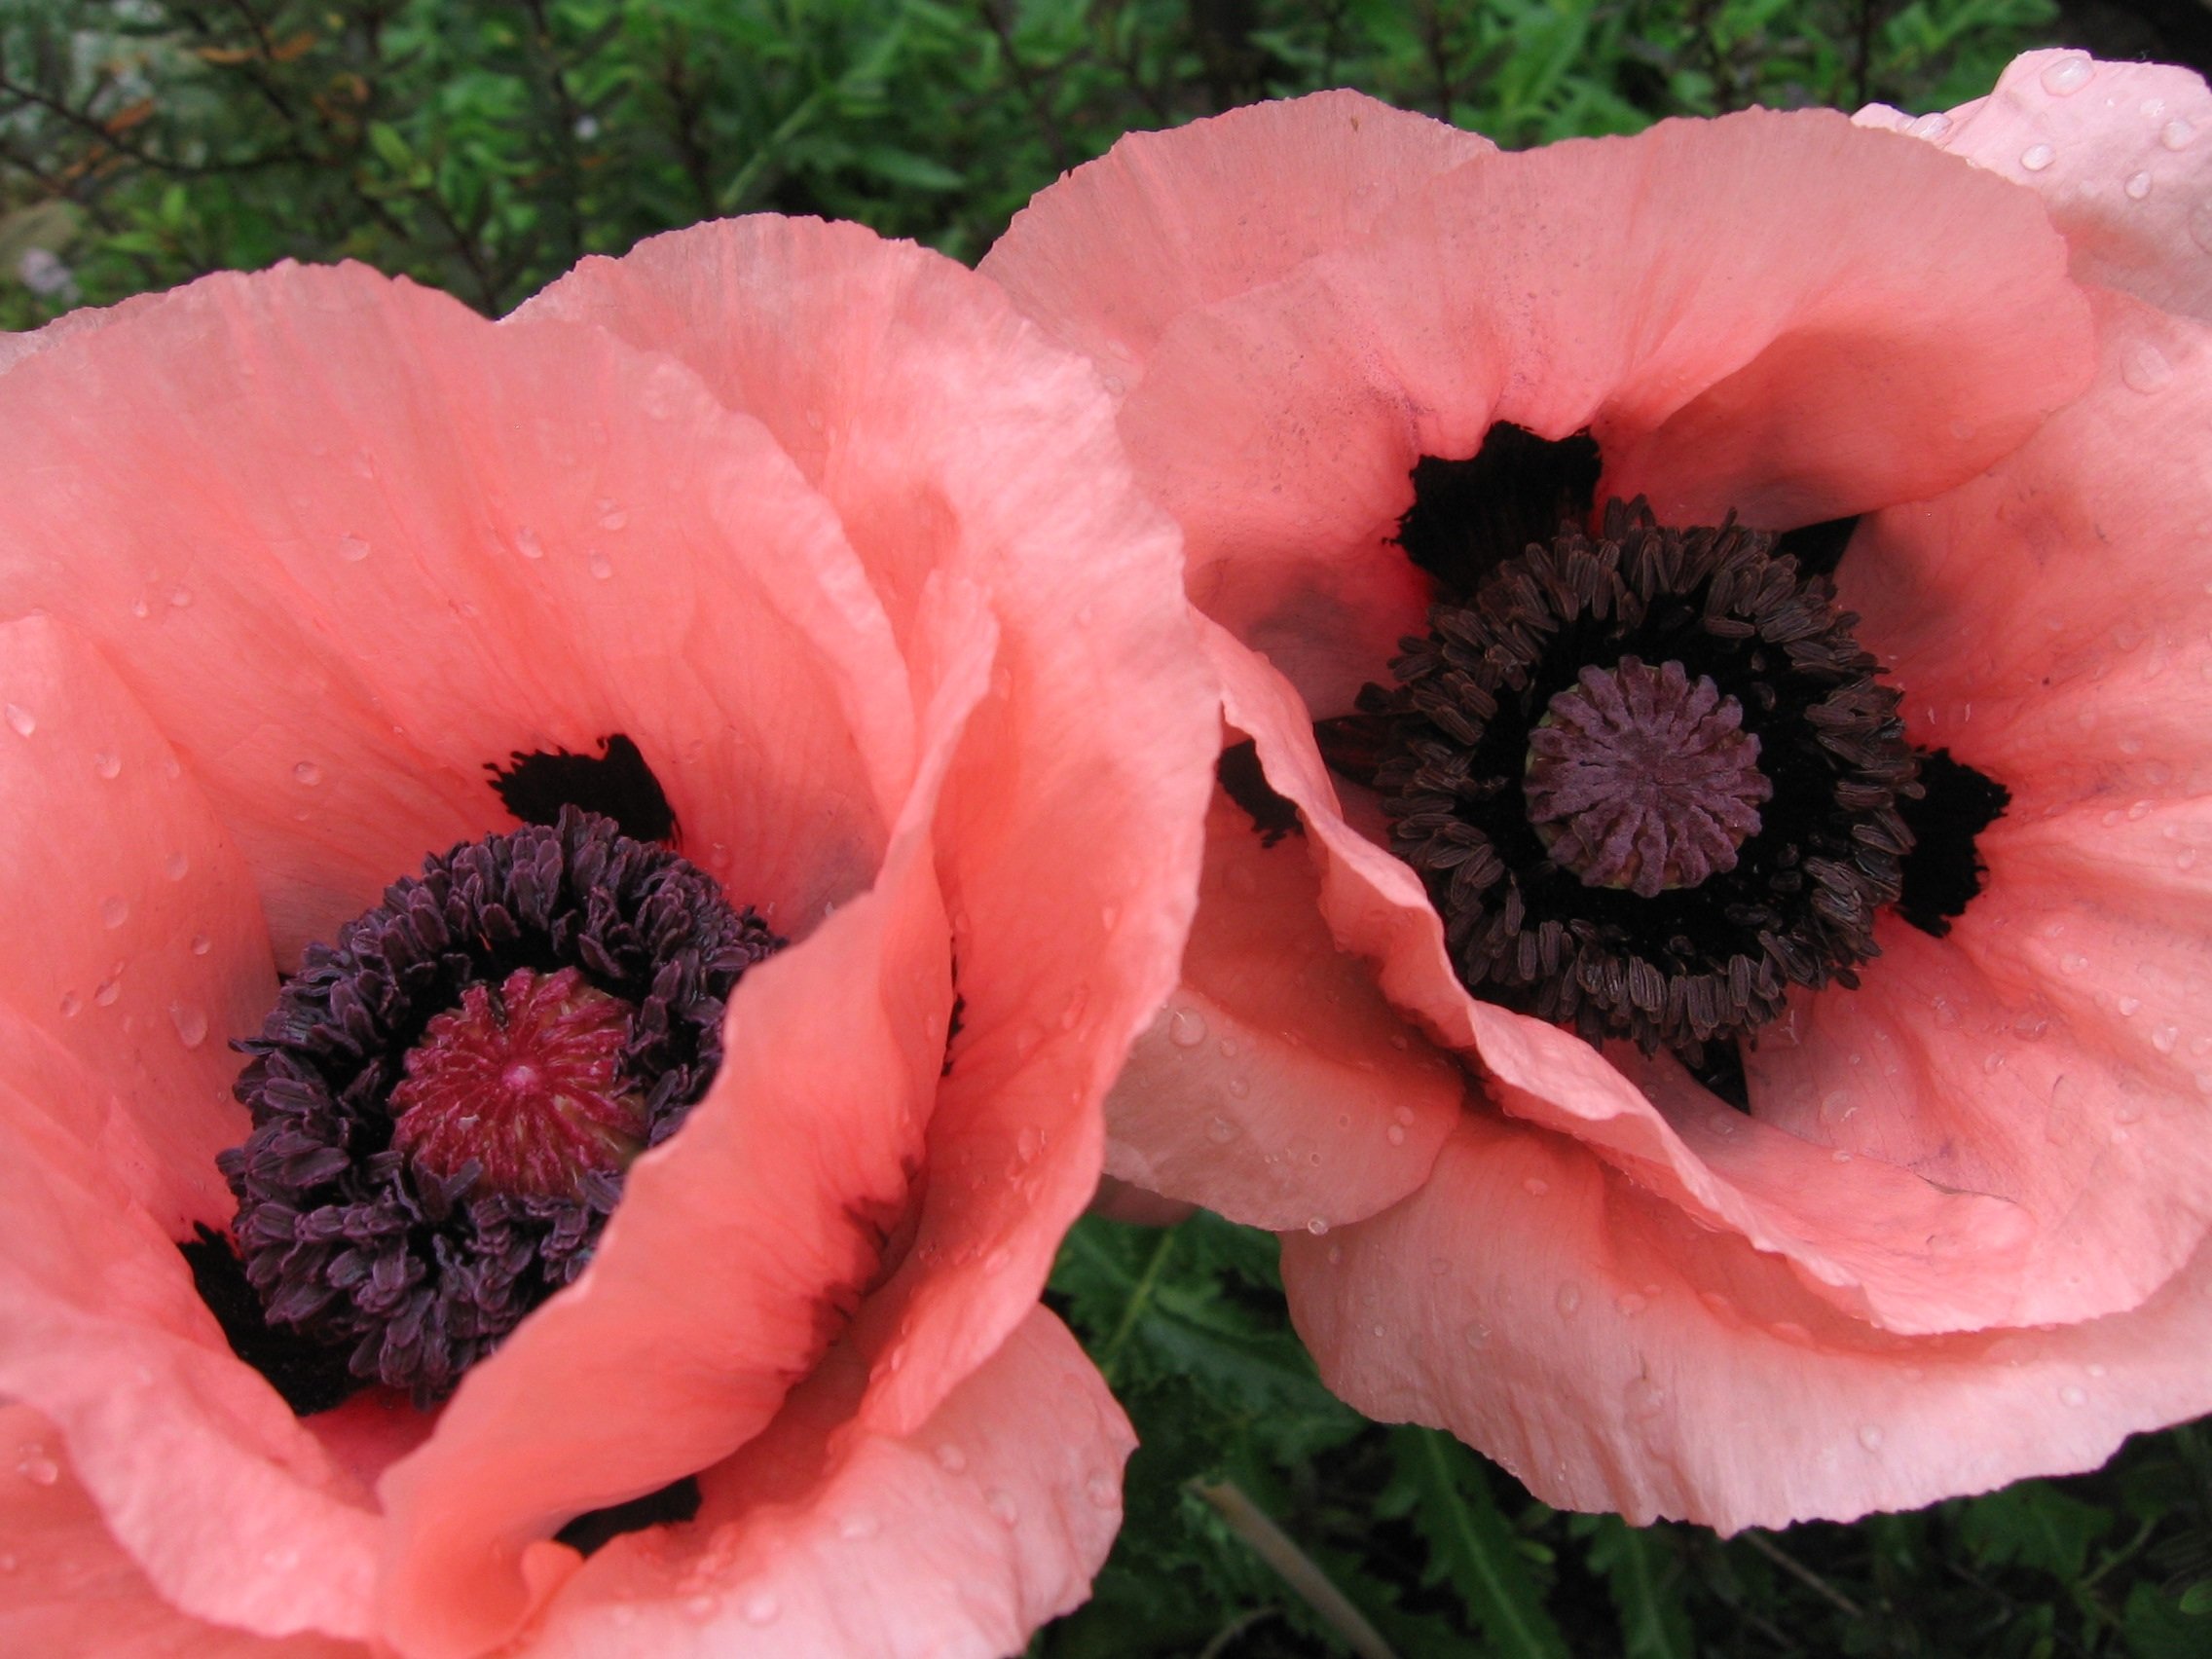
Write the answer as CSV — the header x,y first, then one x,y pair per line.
x,y
1605,1275
292,556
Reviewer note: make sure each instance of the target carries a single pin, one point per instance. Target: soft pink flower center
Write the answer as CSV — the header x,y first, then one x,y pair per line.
x,y
1640,778
524,1079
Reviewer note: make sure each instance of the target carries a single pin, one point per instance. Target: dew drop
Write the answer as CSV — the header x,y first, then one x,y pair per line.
x,y
950,1458
1629,1304
7,1562
858,1526
2138,186
1395,1134
1000,1503
527,542
72,1005
352,549
2144,368
22,719
108,989
1103,1490
1536,1186
2069,74
1219,1130
1478,1335
1870,1436
2163,1038
1643,1399
761,1609
1185,1028
108,765
2200,225
1934,125
1569,1298
39,1469
2176,134
2073,962
1239,1087
191,1024
201,945
2037,157
176,866
307,774
701,1608
115,911
2073,1394
2128,1006
180,598
1318,1226
600,566
612,517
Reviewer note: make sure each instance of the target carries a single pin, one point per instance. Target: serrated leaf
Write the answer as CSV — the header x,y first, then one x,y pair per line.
x,y
2035,1525
1640,1576
1472,1545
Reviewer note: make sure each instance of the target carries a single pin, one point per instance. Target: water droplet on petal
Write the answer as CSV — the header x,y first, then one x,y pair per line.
x,y
108,989
39,1469
702,1608
2176,134
2138,186
176,866
307,774
2073,1394
1185,1028
191,1024
2163,1038
108,765
2073,962
950,1458
1569,1298
612,517
599,564
2144,368
72,1005
1643,1399
1870,1436
1934,125
1219,1130
1001,1505
1395,1134
1103,1490
201,945
761,1609
115,911
352,549
2070,74
858,1526
2128,1006
22,719
180,598
1318,1226
1536,1186
527,542
2037,157
1629,1304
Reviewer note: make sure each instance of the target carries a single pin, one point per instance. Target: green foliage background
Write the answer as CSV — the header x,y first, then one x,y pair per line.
x,y
485,145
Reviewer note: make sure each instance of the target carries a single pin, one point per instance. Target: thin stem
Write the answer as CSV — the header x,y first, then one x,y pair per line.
x,y
1272,1545
1140,1299
1804,1575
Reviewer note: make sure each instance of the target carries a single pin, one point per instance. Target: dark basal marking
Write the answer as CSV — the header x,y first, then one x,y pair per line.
x,y
1944,871
410,1263
309,1376
1274,815
1818,548
616,782
596,1529
1470,516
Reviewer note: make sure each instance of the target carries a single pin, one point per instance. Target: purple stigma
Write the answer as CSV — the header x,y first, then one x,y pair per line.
x,y
1640,778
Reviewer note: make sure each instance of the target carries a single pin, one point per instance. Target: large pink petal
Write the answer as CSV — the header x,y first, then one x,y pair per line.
x,y
1167,222
824,1539
2121,152
2051,624
1277,1086
741,1248
150,951
951,438
1832,270
1615,1355
347,541
70,1593
233,1508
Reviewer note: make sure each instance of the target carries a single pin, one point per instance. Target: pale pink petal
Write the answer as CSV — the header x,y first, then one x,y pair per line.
x,y
1167,222
68,1592
1276,1086
2122,154
956,444
2052,625
1556,288
151,955
372,541
821,1540
14,348
228,1503
1614,1355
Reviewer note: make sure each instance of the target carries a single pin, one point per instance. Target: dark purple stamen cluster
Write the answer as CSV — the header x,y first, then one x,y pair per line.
x,y
414,1273
1683,961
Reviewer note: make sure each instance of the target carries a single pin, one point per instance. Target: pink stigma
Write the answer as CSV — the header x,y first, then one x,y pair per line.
x,y
1639,778
524,1079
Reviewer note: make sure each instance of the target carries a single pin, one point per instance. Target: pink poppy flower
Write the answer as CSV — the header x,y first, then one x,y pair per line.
x,y
813,571
1527,1015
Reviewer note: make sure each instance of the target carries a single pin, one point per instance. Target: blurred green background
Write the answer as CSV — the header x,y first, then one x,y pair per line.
x,y
484,147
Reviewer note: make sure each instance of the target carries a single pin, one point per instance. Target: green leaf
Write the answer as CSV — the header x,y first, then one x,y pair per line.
x,y
2035,1525
390,148
1472,1545
2158,1627
1642,1577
